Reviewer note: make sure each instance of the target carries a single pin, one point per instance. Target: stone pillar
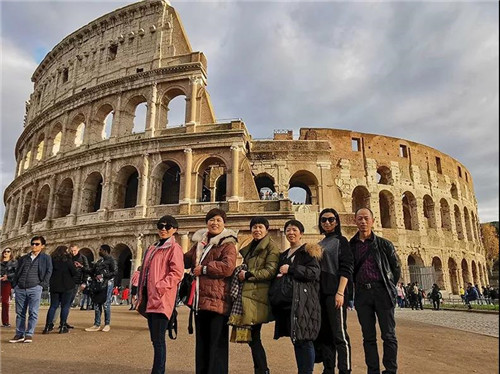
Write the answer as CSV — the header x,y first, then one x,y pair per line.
x,y
51,203
143,186
284,242
107,193
115,126
191,105
138,255
76,196
151,115
188,153
31,215
185,241
19,212
235,171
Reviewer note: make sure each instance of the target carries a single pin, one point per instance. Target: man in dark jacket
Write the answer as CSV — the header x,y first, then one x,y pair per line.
x,y
82,267
32,276
103,273
376,271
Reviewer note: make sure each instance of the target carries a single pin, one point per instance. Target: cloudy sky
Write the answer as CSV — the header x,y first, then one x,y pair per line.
x,y
423,71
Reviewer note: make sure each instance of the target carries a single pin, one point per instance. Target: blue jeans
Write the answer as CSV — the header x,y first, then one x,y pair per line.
x,y
158,323
107,307
27,298
57,299
304,355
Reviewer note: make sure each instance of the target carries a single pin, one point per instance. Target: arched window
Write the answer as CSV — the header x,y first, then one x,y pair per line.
x,y
453,272
133,116
458,223
454,191
438,271
410,213
445,215
468,228
170,186
384,175
103,122
140,113
173,109
39,149
220,188
26,208
42,203
265,184
79,134
387,211
56,147
75,132
64,198
87,252
123,255
465,272
27,159
429,212
360,198
308,183
126,188
208,174
92,193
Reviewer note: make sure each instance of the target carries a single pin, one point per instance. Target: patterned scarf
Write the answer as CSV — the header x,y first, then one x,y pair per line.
x,y
240,333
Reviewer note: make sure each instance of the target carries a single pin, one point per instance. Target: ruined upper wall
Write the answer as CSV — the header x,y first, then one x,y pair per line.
x,y
137,38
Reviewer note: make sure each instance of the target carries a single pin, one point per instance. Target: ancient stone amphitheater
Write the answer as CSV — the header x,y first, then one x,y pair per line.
x,y
90,171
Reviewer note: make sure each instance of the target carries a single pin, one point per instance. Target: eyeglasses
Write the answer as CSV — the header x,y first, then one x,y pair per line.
x,y
36,244
328,219
165,226
6,251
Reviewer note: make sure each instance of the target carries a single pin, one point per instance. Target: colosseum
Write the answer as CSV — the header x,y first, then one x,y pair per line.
x,y
92,170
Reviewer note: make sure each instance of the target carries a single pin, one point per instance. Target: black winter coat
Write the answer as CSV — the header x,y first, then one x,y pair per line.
x,y
303,321
79,278
63,272
105,266
8,268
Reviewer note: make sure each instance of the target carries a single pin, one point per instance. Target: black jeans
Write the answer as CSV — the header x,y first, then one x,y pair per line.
x,y
258,352
157,323
212,343
371,305
304,355
56,299
435,304
334,340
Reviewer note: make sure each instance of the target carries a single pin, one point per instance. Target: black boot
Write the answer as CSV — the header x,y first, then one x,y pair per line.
x,y
48,328
63,329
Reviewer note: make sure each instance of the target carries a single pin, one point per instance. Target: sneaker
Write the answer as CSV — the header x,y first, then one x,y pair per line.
x,y
6,325
17,339
93,328
28,339
106,328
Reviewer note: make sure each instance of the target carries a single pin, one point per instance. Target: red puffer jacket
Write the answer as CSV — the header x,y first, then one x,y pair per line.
x,y
218,266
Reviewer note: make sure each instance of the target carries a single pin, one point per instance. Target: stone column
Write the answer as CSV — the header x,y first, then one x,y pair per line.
x,y
75,203
188,170
138,255
151,115
191,112
19,212
107,193
284,242
31,215
51,203
115,126
185,241
143,187
235,171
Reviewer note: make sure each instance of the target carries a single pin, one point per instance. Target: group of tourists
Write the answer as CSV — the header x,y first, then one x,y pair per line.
x,y
304,290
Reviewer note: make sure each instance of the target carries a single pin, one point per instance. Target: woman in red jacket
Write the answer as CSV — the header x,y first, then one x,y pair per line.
x,y
162,270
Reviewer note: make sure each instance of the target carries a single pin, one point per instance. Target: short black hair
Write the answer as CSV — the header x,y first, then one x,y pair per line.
x,y
337,229
106,248
215,212
296,223
261,220
169,220
38,237
368,209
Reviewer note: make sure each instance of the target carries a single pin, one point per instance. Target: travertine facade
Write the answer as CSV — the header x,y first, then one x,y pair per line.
x,y
88,174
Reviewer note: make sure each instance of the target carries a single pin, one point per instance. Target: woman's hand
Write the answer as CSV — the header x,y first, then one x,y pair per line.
x,y
241,275
284,269
197,270
3,278
339,300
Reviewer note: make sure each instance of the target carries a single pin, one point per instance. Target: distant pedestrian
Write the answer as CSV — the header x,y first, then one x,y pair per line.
x,y
124,295
7,274
436,297
470,295
135,283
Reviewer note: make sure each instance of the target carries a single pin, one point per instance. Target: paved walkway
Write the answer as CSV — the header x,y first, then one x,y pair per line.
x,y
479,323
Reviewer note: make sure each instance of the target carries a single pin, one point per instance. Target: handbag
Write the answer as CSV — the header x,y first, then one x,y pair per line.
x,y
281,291
185,288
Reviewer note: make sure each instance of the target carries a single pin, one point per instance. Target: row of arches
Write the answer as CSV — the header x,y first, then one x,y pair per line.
x,y
87,129
410,211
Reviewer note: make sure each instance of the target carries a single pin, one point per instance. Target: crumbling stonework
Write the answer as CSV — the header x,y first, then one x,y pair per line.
x,y
88,174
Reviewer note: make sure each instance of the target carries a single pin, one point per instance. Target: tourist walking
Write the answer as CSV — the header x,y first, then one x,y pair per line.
x,y
436,297
252,280
32,276
294,296
336,269
212,261
163,266
103,273
376,271
7,274
62,285
135,283
401,295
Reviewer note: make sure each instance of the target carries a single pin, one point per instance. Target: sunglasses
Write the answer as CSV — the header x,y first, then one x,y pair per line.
x,y
165,226
327,219
6,251
36,244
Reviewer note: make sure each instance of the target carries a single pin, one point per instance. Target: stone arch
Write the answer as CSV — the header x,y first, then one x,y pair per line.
x,y
387,210
123,255
55,139
221,188
42,203
173,107
92,193
454,191
360,198
438,271
453,272
87,252
458,223
63,198
102,126
165,183
10,219
75,132
26,208
207,174
445,214
465,272
40,148
264,183
415,260
384,175
475,278
132,119
308,182
126,187
468,228
429,212
415,263
410,211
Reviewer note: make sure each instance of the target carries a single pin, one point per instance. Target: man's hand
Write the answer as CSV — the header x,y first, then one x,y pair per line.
x,y
284,269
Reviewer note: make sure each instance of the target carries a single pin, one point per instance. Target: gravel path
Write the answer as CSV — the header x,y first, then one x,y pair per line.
x,y
480,323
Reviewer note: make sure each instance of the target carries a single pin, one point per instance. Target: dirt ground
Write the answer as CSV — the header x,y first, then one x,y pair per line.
x,y
126,349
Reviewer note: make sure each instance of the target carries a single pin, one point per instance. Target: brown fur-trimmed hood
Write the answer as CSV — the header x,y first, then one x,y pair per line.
x,y
314,250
